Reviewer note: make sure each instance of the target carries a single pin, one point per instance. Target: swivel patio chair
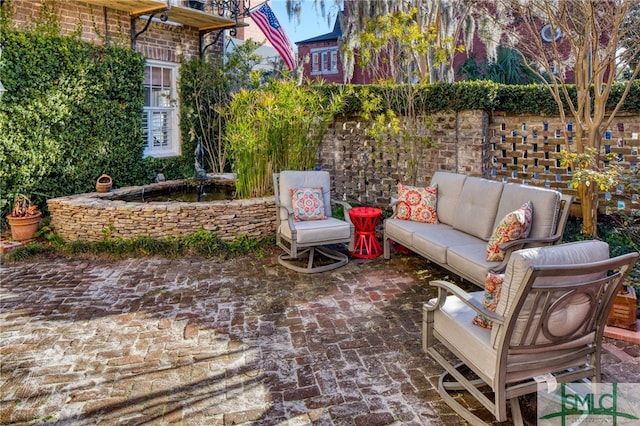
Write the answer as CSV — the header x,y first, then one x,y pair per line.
x,y
304,222
549,320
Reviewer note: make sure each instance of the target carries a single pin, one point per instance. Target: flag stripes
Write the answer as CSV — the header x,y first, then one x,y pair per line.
x,y
266,20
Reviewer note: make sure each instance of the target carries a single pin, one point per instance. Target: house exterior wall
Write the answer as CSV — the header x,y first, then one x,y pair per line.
x,y
304,55
163,42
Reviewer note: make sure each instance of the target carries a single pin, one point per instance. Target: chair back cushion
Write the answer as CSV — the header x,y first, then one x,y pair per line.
x,y
576,253
293,179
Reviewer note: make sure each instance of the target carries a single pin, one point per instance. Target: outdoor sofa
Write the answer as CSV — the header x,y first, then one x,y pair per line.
x,y
469,212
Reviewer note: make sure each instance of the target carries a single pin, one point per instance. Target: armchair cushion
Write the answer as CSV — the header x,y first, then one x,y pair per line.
x,y
307,204
455,320
317,231
417,203
514,226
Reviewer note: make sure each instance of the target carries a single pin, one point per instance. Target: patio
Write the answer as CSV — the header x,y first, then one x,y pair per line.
x,y
208,342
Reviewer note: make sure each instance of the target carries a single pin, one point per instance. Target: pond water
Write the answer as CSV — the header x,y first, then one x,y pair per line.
x,y
186,192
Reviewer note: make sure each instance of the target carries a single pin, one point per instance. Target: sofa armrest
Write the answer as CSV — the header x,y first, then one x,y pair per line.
x,y
445,287
392,204
523,242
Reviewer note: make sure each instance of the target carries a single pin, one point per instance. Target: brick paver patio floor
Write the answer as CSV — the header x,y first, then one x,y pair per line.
x,y
207,342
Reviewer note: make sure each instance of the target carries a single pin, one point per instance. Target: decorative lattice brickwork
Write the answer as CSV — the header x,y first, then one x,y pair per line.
x,y
527,149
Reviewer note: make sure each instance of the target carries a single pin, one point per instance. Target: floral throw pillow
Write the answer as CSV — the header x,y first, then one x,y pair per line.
x,y
513,226
416,203
492,290
307,204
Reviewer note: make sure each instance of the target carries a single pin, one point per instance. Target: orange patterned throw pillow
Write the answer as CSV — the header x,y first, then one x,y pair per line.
x,y
513,226
307,204
492,290
416,203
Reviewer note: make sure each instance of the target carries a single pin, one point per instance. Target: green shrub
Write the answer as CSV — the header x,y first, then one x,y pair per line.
x,y
276,127
72,111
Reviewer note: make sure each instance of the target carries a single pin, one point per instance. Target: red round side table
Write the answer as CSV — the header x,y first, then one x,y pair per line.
x,y
365,220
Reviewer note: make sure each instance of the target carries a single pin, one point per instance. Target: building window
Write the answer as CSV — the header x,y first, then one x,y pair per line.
x,y
324,61
334,60
160,112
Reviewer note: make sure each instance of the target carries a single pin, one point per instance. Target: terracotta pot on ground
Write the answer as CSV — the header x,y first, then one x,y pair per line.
x,y
24,228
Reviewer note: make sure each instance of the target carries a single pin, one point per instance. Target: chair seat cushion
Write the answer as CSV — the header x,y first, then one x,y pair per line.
x,y
455,322
318,231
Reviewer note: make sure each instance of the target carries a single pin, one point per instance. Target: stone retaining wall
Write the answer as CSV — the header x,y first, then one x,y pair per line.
x,y
94,216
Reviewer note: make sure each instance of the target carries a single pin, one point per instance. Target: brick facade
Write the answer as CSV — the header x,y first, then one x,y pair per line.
x,y
162,41
367,172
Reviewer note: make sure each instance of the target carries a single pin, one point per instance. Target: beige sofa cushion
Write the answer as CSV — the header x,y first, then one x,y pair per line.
x,y
435,242
401,231
477,207
565,254
471,259
546,204
449,187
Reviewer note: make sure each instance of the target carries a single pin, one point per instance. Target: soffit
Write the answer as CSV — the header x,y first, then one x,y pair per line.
x,y
204,21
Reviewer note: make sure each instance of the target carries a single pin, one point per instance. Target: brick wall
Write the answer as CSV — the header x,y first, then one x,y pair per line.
x,y
512,148
161,41
367,172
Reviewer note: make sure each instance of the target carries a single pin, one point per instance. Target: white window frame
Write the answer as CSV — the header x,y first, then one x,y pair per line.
x,y
315,63
324,61
163,142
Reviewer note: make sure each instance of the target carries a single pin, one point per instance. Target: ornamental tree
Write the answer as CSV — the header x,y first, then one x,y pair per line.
x,y
590,42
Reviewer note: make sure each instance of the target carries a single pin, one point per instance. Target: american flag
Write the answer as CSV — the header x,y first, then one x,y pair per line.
x,y
266,20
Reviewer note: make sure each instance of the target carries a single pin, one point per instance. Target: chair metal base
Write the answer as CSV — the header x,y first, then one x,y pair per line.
x,y
453,380
340,259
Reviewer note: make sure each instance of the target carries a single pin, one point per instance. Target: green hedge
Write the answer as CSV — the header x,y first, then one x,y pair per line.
x,y
480,94
72,111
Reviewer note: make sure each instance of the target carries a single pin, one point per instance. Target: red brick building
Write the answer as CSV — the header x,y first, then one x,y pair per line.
x,y
322,57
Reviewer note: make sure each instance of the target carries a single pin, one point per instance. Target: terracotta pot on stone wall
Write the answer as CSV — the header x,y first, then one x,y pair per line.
x,y
104,183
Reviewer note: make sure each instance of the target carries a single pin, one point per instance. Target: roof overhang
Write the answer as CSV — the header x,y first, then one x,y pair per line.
x,y
177,12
